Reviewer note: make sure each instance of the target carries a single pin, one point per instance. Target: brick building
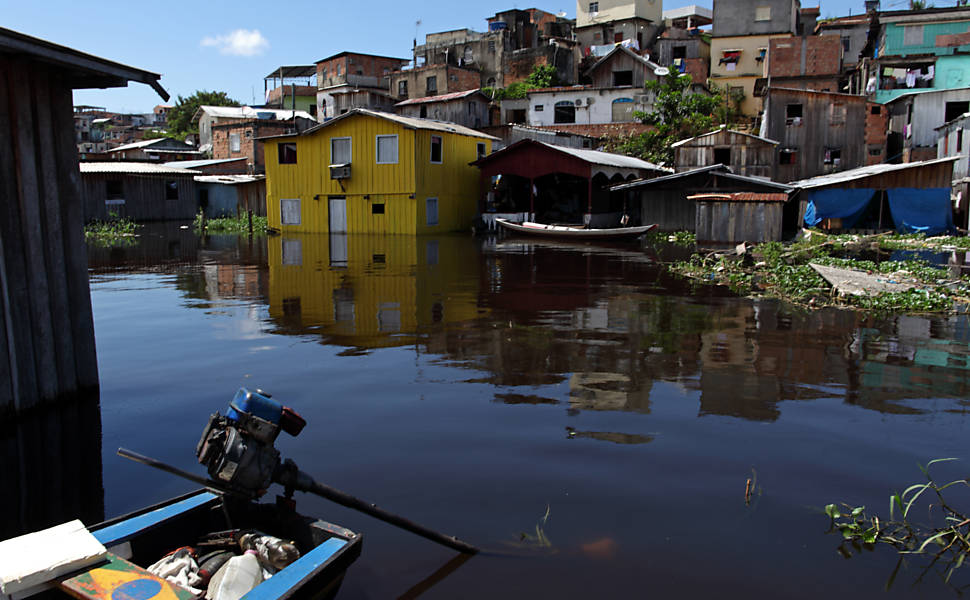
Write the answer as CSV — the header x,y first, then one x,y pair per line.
x,y
432,80
806,63
353,80
240,138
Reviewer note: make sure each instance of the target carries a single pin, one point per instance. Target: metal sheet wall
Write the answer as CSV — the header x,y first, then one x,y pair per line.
x,y
731,222
144,196
670,209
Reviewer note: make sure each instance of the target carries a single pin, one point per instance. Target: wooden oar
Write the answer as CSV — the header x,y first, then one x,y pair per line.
x,y
290,476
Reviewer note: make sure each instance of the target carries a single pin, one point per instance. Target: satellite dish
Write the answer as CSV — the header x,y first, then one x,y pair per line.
x,y
661,71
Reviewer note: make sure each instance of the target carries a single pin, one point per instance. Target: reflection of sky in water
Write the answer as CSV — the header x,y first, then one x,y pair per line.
x,y
470,385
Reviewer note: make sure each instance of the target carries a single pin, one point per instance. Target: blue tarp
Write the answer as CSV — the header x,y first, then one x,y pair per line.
x,y
845,204
921,211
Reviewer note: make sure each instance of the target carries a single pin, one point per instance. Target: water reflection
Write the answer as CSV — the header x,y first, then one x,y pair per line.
x,y
606,322
368,292
51,461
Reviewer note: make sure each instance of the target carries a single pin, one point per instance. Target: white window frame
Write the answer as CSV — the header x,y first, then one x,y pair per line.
x,y
377,150
428,213
235,142
441,145
350,152
283,211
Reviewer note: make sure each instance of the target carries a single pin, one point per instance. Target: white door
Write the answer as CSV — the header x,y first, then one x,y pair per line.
x,y
338,215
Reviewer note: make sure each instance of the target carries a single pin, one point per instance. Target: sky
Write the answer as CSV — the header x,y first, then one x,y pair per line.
x,y
231,47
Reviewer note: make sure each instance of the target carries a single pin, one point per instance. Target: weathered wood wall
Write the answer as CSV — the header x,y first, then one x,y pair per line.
x,y
144,197
750,156
47,347
731,222
252,197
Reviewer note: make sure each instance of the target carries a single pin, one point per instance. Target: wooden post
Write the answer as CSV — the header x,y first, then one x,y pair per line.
x,y
250,222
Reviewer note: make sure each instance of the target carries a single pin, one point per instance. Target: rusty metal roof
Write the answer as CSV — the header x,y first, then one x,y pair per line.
x,y
740,197
441,98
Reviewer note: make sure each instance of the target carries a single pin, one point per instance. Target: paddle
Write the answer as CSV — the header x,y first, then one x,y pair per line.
x,y
291,477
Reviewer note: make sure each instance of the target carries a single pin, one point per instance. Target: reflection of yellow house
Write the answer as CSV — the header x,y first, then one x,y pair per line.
x,y
371,290
737,62
373,172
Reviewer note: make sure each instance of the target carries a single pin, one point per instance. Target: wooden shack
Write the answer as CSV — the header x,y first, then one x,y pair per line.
x,y
138,191
667,200
744,153
739,217
47,349
231,195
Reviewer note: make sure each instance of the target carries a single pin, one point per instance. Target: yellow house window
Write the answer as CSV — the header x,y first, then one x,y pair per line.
x,y
290,211
436,149
340,150
387,149
286,153
432,211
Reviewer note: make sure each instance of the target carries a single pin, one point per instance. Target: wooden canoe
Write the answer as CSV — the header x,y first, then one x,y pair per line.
x,y
574,232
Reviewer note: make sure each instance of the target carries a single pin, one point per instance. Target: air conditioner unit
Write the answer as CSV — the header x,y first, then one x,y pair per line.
x,y
578,102
340,171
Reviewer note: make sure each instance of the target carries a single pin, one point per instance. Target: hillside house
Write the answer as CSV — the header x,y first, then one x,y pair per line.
x,y
606,22
914,118
158,149
350,80
208,116
823,132
742,32
917,51
468,108
373,172
292,87
743,153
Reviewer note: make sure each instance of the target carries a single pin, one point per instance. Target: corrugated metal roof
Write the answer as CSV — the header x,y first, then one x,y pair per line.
x,y
606,159
192,164
861,172
441,98
292,71
248,112
139,168
151,142
409,122
716,131
646,61
722,171
229,179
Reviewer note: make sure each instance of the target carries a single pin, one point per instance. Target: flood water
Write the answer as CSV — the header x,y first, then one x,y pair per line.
x,y
476,385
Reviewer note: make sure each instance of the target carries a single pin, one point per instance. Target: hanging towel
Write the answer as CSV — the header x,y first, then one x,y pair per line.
x,y
910,79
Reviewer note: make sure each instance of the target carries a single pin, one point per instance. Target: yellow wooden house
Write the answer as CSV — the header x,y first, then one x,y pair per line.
x,y
374,172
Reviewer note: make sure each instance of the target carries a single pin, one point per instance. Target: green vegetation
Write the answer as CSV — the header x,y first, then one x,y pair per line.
x,y
116,231
678,114
542,76
239,224
678,238
179,118
777,270
945,540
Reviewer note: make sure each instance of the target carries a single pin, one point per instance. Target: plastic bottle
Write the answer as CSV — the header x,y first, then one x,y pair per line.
x,y
237,577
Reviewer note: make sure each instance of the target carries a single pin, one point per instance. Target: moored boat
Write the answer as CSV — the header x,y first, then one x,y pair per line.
x,y
139,539
574,232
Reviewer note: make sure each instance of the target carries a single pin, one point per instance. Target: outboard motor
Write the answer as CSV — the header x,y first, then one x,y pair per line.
x,y
237,449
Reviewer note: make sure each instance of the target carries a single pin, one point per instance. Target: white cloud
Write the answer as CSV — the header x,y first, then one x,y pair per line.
x,y
241,42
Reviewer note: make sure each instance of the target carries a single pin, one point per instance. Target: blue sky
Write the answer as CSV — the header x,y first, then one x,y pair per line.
x,y
192,45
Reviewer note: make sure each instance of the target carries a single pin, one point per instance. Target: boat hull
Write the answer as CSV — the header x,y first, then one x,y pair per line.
x,y
574,233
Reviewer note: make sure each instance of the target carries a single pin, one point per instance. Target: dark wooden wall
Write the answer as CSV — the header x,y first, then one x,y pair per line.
x,y
47,348
144,197
252,197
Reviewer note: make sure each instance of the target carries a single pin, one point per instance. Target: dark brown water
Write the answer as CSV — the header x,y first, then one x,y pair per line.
x,y
475,385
